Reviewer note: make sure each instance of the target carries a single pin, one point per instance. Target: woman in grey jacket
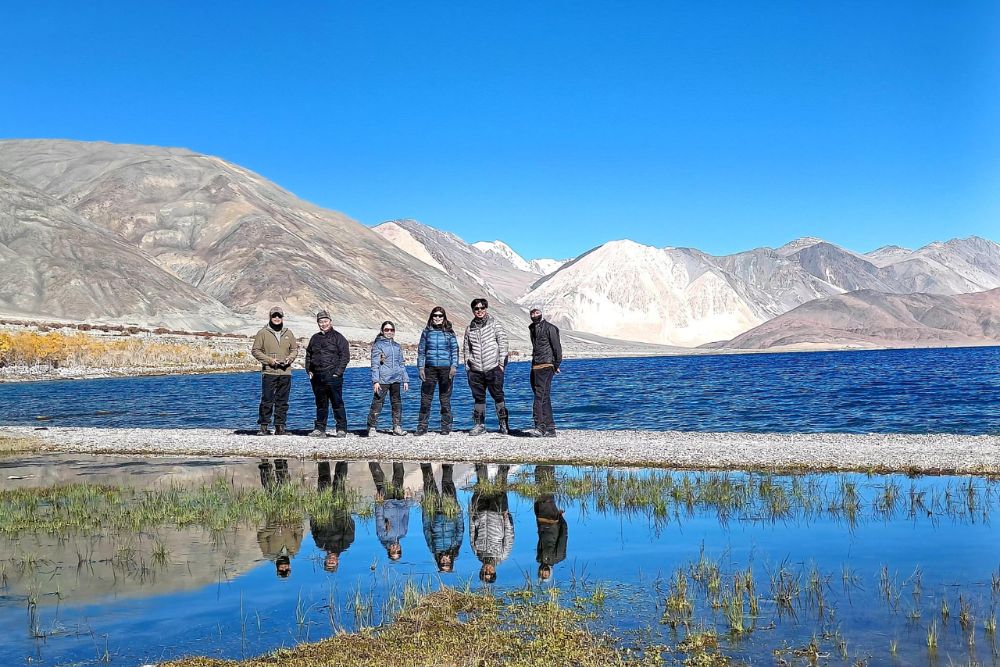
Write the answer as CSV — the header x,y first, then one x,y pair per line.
x,y
388,373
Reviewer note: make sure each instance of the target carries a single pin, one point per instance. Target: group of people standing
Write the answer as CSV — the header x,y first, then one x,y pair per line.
x,y
491,526
484,346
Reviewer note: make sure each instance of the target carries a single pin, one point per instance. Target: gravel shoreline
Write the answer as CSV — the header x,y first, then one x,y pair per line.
x,y
915,454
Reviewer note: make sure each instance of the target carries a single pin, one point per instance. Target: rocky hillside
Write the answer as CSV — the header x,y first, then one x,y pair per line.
x,y
211,233
874,319
57,263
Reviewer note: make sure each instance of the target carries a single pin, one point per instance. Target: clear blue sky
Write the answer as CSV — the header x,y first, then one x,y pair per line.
x,y
555,126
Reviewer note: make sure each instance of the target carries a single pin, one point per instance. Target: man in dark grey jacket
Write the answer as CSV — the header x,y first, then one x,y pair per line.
x,y
485,347
327,356
546,356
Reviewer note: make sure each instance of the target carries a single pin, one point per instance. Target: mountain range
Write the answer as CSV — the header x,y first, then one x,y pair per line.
x,y
682,296
99,232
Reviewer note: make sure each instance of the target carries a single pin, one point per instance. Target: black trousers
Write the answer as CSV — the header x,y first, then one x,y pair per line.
x,y
541,386
448,489
480,382
397,491
339,480
378,400
274,391
440,377
329,389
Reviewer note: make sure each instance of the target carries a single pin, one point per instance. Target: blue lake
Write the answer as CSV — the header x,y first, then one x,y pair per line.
x,y
891,391
885,552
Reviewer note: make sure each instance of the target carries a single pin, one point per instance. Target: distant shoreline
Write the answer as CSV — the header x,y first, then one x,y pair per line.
x,y
20,374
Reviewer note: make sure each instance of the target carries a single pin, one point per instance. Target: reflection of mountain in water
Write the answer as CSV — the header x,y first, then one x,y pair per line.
x,y
83,568
78,569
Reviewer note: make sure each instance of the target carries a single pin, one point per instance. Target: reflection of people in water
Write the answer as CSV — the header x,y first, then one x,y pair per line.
x,y
333,533
273,474
278,540
442,517
491,529
392,509
553,532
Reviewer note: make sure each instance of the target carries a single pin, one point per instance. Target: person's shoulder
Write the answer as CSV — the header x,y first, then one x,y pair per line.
x,y
262,331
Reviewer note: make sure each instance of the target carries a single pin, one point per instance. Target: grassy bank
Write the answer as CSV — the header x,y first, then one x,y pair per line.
x,y
18,444
87,508
455,628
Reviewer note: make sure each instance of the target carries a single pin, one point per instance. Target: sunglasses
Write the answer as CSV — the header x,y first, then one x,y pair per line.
x,y
479,308
278,315
437,315
388,330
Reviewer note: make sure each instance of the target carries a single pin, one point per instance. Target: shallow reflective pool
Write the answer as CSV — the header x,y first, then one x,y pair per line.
x,y
134,561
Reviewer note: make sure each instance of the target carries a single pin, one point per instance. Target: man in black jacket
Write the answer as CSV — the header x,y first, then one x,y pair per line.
x,y
546,356
326,360
553,533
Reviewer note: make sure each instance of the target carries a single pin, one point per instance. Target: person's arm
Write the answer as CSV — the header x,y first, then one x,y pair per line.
x,y
344,353
422,350
309,349
257,350
375,357
561,541
556,344
467,345
508,536
293,350
406,376
453,353
504,349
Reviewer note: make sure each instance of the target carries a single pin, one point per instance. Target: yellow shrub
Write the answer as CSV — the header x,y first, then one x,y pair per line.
x,y
29,348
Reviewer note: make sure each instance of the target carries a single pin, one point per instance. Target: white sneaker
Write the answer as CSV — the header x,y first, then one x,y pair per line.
x,y
372,432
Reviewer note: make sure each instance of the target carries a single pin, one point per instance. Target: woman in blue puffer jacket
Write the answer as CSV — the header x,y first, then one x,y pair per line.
x,y
388,373
437,363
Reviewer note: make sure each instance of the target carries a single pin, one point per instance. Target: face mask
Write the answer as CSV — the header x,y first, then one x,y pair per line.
x,y
536,318
276,327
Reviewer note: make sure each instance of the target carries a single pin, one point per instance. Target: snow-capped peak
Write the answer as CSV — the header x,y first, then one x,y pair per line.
x,y
542,267
505,251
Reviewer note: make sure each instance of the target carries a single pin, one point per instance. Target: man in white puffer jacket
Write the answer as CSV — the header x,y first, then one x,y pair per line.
x,y
486,349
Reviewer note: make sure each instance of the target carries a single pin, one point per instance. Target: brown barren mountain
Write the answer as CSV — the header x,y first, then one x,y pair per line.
x,y
237,237
58,264
866,318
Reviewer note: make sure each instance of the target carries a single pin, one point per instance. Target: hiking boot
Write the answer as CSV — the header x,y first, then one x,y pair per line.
x,y
317,433
421,429
503,419
341,433
398,430
446,430
549,433
372,432
478,429
534,432
263,430
279,429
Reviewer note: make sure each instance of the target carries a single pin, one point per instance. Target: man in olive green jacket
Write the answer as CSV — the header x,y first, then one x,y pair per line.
x,y
275,348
